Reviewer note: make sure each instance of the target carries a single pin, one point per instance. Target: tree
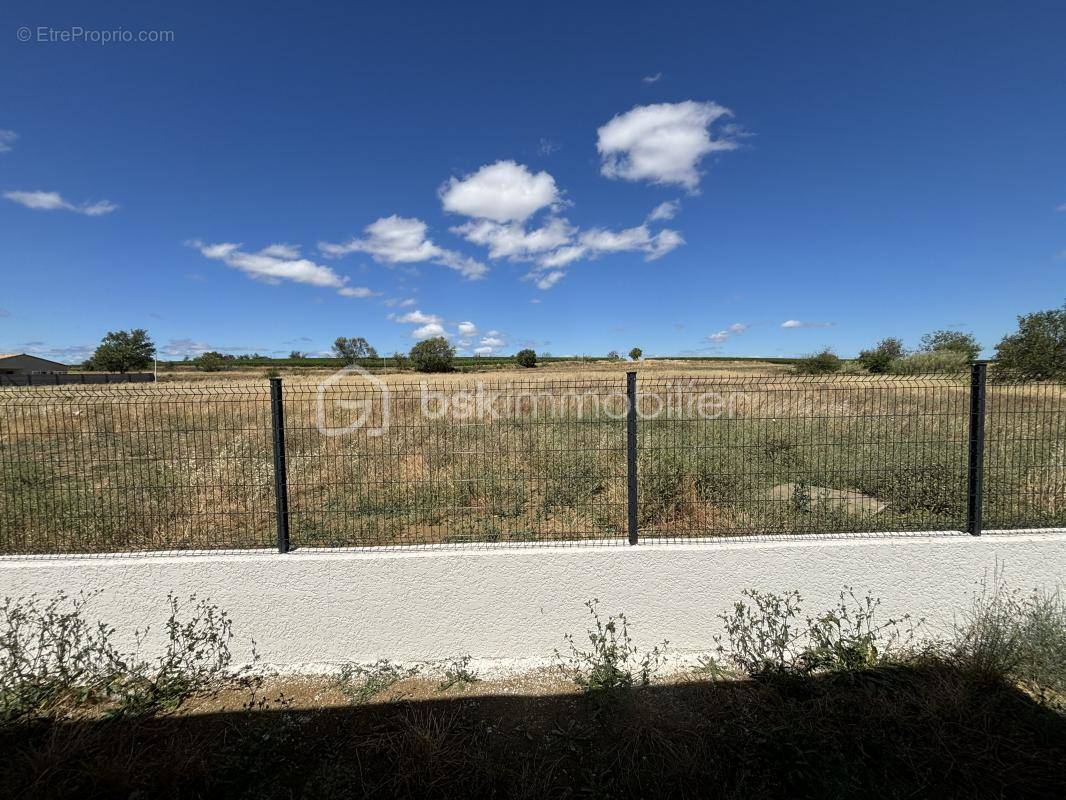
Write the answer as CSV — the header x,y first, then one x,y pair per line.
x,y
884,353
614,356
296,355
400,359
351,350
951,340
433,355
121,351
210,361
1037,351
636,353
526,358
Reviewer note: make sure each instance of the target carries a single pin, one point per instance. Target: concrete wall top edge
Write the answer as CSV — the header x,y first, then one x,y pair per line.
x,y
557,549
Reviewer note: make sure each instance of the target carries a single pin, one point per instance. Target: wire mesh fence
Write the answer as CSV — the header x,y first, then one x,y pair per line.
x,y
805,455
135,468
460,461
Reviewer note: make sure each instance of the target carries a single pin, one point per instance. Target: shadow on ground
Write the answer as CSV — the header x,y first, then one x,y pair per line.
x,y
890,732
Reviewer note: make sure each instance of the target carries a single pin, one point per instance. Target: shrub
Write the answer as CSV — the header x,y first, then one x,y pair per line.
x,y
433,355
53,659
526,358
939,361
823,363
613,662
951,341
884,353
636,353
457,672
361,682
769,638
210,362
1037,350
1007,634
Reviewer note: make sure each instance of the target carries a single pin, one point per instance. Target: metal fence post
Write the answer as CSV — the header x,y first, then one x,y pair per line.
x,y
281,471
631,455
976,460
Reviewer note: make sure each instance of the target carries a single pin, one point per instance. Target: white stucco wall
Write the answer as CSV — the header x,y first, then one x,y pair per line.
x,y
312,609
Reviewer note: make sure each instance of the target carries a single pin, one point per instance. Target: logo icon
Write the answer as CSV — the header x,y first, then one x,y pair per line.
x,y
374,392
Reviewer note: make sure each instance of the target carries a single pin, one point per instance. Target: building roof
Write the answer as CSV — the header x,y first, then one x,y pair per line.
x,y
5,356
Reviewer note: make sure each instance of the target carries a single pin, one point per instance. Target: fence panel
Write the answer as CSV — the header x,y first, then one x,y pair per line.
x,y
133,468
462,461
1025,455
797,454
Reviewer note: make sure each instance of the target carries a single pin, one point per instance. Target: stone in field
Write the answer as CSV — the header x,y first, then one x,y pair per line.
x,y
809,498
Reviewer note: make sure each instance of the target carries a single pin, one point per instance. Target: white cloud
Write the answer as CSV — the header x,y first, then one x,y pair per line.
x,y
428,331
563,256
503,192
493,339
403,240
179,348
467,329
42,201
276,263
7,138
662,143
54,201
429,325
513,240
70,354
416,317
482,351
97,209
640,238
595,242
356,291
548,279
664,211
501,198
281,251
658,76
720,337
795,323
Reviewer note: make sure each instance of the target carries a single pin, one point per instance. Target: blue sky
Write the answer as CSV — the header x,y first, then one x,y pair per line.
x,y
690,178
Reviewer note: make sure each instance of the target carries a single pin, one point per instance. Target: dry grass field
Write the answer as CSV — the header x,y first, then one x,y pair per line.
x,y
187,464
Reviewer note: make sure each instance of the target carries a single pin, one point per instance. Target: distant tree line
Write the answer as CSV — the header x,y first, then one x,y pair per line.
x,y
1036,351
